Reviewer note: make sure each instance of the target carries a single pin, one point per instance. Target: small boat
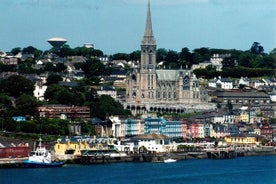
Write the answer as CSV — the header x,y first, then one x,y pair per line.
x,y
41,157
169,160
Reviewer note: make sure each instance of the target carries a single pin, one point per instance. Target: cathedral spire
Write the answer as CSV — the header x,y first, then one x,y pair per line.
x,y
148,38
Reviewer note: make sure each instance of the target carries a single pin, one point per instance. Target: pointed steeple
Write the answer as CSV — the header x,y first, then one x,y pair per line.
x,y
148,38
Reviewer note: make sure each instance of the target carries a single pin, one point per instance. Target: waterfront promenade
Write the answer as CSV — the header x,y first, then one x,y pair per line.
x,y
214,153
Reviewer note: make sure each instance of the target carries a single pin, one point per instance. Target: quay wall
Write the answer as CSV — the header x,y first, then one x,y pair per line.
x,y
17,162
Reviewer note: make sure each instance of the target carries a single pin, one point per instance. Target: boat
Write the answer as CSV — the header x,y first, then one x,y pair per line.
x,y
40,158
169,160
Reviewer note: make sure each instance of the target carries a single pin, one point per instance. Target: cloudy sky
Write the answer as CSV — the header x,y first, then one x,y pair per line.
x,y
115,26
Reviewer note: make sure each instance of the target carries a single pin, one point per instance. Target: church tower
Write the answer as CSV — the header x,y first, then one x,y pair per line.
x,y
147,92
151,90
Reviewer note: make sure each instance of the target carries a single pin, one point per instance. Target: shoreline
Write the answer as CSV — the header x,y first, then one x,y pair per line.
x,y
17,162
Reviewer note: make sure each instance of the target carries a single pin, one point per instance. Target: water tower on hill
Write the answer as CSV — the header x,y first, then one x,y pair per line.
x,y
57,42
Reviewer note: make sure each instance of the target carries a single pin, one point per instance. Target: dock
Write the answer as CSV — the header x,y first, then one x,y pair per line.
x,y
221,153
11,162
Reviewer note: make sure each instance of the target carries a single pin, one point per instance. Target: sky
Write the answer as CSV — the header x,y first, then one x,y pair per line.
x,y
117,26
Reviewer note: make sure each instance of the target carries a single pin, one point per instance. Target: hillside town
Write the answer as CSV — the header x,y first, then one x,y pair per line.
x,y
167,107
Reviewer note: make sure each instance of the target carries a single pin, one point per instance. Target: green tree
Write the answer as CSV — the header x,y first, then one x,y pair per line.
x,y
161,54
106,105
26,105
246,59
120,56
50,93
53,79
16,86
16,50
32,50
172,57
256,48
135,55
203,52
60,67
49,67
5,101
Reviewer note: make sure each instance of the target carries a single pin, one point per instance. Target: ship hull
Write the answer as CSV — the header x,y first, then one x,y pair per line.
x,y
29,164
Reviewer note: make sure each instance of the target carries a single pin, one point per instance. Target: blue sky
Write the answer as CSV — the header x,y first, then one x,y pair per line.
x,y
115,26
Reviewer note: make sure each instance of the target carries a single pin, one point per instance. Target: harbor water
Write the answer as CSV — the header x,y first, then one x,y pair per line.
x,y
245,170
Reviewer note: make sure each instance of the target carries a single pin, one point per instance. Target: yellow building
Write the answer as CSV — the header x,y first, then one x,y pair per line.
x,y
66,148
69,148
244,117
243,139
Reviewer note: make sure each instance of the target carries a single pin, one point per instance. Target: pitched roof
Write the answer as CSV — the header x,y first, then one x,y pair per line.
x,y
170,75
151,136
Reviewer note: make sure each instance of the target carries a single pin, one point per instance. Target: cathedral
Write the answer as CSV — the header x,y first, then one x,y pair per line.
x,y
149,89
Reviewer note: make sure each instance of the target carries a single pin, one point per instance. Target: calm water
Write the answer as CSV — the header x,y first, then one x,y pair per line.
x,y
261,169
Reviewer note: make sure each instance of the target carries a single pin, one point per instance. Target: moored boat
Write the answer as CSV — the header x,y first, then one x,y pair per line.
x,y
169,160
41,157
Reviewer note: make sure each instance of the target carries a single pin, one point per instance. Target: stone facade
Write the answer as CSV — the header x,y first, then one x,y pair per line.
x,y
157,90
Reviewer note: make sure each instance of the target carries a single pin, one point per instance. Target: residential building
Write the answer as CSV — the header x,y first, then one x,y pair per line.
x,y
63,111
221,83
173,129
155,125
133,127
217,59
106,90
39,90
266,131
244,81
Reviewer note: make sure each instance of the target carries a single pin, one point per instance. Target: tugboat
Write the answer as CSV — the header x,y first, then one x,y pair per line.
x,y
40,158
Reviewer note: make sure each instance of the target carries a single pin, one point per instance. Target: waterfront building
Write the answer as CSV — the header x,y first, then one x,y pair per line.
x,y
193,130
102,128
153,142
116,126
155,125
133,127
68,148
243,139
149,89
173,129
184,128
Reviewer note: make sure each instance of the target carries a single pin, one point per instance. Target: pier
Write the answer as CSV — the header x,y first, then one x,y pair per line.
x,y
11,162
221,153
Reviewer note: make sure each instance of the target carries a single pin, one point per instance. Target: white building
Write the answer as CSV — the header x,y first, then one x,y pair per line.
x,y
221,83
39,91
244,81
154,143
107,91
